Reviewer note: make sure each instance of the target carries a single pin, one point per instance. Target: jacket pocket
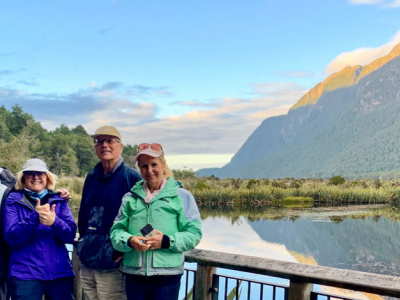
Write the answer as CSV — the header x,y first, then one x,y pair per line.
x,y
134,259
95,251
164,258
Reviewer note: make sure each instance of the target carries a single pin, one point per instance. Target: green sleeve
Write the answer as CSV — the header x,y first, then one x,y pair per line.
x,y
119,231
189,224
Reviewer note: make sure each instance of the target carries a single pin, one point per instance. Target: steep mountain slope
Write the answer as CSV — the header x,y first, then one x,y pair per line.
x,y
353,131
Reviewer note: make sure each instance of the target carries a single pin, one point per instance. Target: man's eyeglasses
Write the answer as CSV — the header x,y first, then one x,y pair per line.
x,y
108,141
153,146
33,174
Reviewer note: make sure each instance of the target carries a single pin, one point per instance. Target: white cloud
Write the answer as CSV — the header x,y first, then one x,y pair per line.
x,y
393,4
361,56
297,74
365,1
381,3
218,126
197,161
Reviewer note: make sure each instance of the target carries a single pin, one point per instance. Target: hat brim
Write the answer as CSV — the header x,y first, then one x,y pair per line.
x,y
33,168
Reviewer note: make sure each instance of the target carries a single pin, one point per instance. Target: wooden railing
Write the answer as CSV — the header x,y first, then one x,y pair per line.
x,y
301,276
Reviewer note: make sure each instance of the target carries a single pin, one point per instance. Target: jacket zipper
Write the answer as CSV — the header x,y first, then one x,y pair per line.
x,y
146,257
147,252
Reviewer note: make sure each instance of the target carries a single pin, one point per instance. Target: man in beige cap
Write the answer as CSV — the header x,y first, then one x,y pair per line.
x,y
102,193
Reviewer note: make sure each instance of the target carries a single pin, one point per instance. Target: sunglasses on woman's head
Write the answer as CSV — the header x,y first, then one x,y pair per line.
x,y
153,146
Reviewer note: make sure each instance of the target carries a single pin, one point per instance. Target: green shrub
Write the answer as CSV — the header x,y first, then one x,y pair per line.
x,y
377,183
336,180
251,183
200,185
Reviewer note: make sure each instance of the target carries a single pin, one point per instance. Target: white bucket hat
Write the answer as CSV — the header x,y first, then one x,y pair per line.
x,y
35,164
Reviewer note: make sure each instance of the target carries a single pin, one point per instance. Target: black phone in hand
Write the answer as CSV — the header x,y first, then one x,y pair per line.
x,y
147,231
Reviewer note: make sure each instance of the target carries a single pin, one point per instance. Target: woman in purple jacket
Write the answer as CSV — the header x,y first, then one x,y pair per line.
x,y
37,225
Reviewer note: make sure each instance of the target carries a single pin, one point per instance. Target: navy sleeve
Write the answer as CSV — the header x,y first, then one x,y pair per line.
x,y
82,219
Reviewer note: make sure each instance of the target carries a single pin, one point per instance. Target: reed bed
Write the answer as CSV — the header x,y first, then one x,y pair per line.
x,y
275,192
240,193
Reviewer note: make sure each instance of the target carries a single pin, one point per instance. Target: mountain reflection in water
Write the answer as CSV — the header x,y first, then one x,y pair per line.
x,y
326,237
363,245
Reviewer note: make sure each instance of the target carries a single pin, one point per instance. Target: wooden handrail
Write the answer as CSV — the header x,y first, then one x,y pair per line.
x,y
298,274
301,276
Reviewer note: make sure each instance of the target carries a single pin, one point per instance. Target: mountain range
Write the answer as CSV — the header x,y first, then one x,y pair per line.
x,y
347,125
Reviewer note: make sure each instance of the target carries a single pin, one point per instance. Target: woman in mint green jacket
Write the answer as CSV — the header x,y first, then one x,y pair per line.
x,y
153,263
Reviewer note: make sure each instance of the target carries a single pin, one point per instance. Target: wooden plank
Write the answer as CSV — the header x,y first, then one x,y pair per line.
x,y
203,284
300,290
358,281
77,267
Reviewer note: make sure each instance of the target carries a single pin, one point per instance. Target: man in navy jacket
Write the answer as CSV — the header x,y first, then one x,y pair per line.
x,y
102,193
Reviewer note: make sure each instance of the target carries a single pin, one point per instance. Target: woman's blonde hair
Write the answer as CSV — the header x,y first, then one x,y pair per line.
x,y
166,170
51,180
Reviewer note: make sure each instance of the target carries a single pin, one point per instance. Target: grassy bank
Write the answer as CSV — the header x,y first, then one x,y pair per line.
x,y
242,194
282,191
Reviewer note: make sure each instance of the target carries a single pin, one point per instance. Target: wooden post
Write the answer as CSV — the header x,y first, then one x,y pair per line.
x,y
77,267
203,282
300,290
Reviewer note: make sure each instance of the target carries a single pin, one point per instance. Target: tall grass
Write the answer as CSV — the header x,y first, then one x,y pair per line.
x,y
74,185
237,191
214,192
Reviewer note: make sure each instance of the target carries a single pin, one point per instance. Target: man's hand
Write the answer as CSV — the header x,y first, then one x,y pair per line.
x,y
64,194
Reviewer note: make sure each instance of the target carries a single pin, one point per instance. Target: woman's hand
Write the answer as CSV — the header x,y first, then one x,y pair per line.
x,y
47,216
41,208
155,241
136,242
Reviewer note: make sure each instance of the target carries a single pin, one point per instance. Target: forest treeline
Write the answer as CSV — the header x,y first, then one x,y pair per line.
x,y
67,151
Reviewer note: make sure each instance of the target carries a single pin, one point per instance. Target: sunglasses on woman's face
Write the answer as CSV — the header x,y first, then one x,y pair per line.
x,y
153,146
33,174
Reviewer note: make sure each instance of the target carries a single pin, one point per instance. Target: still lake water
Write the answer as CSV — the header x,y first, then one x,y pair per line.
x,y
329,236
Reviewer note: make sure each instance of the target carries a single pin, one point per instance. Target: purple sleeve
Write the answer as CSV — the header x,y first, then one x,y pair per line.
x,y
64,225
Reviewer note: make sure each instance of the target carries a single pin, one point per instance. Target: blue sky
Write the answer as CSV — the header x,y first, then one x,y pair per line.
x,y
196,76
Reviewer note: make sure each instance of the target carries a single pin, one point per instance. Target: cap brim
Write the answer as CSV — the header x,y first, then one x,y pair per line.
x,y
149,152
97,135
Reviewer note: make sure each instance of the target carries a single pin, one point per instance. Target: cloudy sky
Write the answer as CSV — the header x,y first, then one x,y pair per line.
x,y
196,76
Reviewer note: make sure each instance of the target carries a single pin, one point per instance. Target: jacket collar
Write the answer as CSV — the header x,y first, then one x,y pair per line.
x,y
167,192
51,196
100,170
